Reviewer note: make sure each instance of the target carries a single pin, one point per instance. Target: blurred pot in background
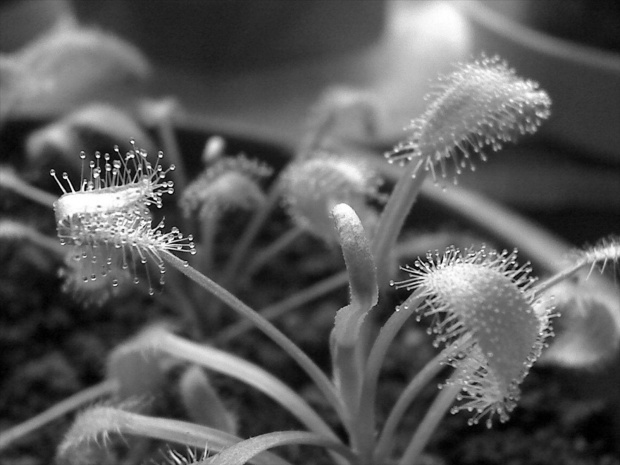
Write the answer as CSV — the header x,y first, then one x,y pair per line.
x,y
544,39
220,36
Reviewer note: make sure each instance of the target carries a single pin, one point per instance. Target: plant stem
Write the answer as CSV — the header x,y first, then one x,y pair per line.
x,y
236,367
60,409
180,301
209,225
241,249
10,180
100,421
428,425
558,277
413,247
166,129
393,217
242,452
19,231
548,251
315,373
277,246
365,421
421,379
604,253
271,312
347,372
315,135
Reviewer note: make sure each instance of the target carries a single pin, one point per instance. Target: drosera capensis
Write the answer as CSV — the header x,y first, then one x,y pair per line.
x,y
481,103
486,295
487,311
107,221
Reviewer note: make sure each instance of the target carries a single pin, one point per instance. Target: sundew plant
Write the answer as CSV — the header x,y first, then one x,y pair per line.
x,y
485,311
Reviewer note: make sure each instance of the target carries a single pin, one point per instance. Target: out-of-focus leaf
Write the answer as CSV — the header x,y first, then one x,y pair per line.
x,y
202,402
588,329
83,129
67,66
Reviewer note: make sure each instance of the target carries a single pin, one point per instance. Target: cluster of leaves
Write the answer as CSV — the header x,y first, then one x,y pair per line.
x,y
491,316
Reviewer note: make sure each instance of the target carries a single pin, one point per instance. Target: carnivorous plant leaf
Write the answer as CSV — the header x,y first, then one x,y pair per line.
x,y
482,103
312,186
362,274
107,221
484,294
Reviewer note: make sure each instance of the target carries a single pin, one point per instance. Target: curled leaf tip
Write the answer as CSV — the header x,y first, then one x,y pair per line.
x,y
486,297
361,271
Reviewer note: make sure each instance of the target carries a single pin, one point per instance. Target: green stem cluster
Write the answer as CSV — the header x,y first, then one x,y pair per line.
x,y
315,373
